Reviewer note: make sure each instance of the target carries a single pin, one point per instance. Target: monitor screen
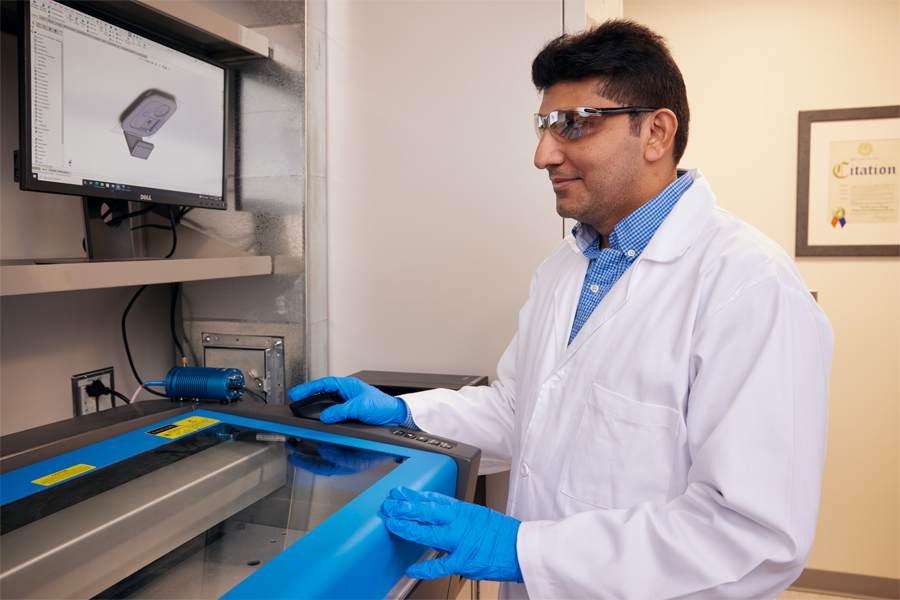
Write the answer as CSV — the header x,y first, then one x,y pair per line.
x,y
113,114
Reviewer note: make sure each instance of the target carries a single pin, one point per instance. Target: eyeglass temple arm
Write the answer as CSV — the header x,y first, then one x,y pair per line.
x,y
623,109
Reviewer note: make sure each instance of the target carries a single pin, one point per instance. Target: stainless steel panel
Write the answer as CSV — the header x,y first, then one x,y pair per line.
x,y
82,550
260,359
269,159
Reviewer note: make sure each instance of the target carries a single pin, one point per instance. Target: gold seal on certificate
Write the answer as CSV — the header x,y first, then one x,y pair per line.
x,y
838,214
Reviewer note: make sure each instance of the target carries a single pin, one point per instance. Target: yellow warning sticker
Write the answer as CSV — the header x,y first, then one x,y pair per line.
x,y
196,422
183,427
63,475
171,431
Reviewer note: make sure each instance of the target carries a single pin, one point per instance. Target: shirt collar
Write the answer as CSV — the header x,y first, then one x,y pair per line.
x,y
632,234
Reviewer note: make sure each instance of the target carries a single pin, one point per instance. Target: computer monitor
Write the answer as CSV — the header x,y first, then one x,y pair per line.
x,y
113,113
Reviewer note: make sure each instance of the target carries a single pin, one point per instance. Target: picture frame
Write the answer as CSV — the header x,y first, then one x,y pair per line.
x,y
848,182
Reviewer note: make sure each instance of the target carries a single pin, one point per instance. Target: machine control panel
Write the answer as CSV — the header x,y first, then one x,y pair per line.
x,y
419,437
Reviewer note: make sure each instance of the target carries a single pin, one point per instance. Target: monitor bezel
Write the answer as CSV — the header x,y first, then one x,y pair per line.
x,y
27,183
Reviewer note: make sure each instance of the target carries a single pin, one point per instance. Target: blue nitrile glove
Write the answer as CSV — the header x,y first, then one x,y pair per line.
x,y
481,542
364,402
330,459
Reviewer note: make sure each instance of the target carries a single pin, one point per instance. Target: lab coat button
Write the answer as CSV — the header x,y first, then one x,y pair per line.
x,y
524,470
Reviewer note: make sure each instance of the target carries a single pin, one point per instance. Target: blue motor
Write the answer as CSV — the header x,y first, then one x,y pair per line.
x,y
205,383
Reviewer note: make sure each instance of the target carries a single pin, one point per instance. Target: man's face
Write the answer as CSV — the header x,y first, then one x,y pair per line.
x,y
593,176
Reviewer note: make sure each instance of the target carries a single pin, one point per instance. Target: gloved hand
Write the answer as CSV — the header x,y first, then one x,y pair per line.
x,y
326,459
364,402
481,542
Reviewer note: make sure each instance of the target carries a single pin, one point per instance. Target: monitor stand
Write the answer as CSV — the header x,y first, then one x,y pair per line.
x,y
105,243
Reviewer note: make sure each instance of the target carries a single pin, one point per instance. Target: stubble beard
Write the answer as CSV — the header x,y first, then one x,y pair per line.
x,y
602,209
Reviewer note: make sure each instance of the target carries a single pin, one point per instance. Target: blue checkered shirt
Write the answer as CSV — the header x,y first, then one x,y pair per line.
x,y
627,241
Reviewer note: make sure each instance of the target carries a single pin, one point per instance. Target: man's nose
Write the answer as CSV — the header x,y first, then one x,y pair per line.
x,y
549,151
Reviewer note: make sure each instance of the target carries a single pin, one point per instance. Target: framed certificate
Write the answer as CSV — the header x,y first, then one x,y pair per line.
x,y
848,182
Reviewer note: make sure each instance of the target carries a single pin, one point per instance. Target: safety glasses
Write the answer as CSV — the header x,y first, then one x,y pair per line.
x,y
570,123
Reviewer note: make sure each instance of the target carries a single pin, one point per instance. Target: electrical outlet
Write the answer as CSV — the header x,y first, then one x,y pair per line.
x,y
82,402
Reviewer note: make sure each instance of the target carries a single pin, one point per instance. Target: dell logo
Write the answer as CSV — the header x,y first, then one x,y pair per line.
x,y
146,197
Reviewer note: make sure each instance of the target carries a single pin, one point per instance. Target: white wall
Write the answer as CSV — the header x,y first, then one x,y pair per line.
x,y
750,66
436,215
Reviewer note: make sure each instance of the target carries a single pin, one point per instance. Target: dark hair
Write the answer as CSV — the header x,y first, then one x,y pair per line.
x,y
638,68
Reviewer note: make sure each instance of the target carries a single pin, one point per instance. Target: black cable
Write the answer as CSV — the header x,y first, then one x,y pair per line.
x,y
116,220
128,350
175,288
96,389
152,225
123,397
246,389
130,304
174,233
184,210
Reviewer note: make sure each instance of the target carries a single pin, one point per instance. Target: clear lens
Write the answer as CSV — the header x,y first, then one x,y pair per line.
x,y
539,125
575,122
567,124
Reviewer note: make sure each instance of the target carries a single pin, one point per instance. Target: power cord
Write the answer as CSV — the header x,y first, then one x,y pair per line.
x,y
174,224
95,389
175,288
116,220
249,391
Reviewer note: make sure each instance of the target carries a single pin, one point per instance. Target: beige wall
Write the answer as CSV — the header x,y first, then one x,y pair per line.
x,y
47,338
750,67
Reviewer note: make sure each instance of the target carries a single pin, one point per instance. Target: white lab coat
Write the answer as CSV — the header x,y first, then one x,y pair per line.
x,y
675,448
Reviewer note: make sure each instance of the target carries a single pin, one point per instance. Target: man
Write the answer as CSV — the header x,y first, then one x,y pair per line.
x,y
662,408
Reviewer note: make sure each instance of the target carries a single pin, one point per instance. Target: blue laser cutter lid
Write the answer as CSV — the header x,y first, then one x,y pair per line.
x,y
212,505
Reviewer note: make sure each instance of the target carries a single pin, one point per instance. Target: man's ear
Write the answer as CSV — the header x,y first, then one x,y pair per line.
x,y
661,128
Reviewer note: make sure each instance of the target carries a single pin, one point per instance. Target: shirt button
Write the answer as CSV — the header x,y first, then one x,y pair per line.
x,y
524,470
595,288
631,253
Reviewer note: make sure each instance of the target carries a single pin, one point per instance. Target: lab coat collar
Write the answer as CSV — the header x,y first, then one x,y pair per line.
x,y
682,226
678,232
685,222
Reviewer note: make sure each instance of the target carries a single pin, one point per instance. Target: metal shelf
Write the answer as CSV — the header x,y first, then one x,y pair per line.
x,y
195,25
24,277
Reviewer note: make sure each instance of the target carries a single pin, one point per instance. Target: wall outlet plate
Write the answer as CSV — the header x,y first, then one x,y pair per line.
x,y
82,403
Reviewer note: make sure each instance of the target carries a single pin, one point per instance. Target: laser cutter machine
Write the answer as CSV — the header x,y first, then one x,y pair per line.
x,y
162,499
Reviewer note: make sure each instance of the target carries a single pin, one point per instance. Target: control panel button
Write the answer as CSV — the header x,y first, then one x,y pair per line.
x,y
411,436
421,438
398,432
434,442
446,445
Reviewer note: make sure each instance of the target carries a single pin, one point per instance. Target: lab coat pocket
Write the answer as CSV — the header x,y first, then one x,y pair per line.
x,y
623,452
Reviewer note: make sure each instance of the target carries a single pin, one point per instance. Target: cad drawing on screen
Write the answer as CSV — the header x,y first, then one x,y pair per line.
x,y
144,117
